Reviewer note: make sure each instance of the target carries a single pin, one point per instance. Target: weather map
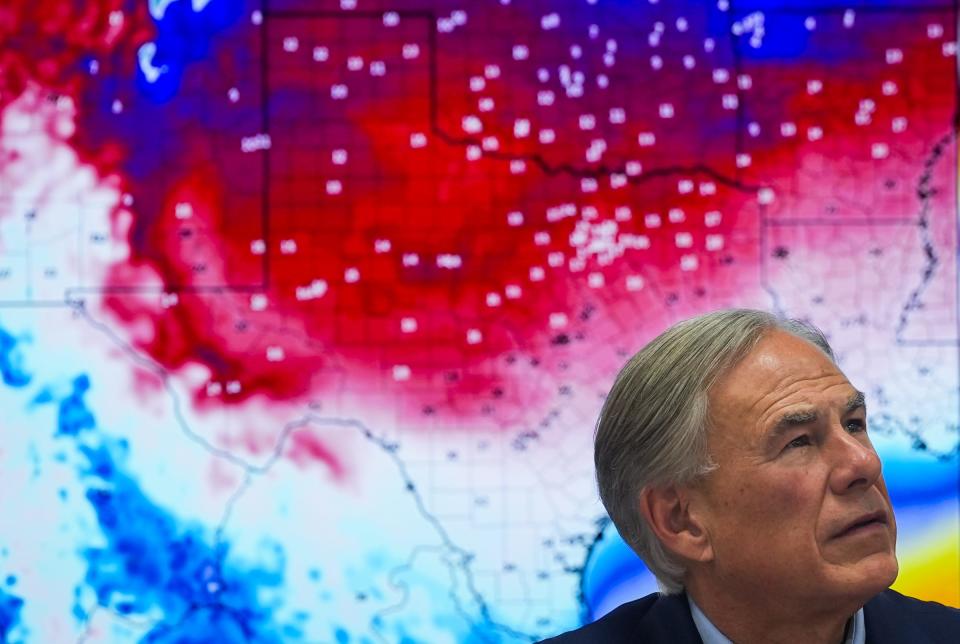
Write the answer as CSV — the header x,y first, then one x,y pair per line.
x,y
307,308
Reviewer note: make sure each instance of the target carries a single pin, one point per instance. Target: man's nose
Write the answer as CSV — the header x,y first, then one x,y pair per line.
x,y
855,462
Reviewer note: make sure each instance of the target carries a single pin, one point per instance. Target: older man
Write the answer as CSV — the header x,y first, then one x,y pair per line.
x,y
732,454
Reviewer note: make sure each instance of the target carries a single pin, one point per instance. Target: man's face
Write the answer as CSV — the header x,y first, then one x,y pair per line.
x,y
796,470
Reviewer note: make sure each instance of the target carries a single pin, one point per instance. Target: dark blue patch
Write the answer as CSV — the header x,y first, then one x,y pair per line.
x,y
786,39
73,415
12,370
213,623
10,606
185,36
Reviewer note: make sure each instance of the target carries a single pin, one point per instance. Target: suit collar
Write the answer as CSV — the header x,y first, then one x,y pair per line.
x,y
887,621
668,620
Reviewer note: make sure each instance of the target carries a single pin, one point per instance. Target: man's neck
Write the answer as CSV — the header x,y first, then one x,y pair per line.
x,y
770,619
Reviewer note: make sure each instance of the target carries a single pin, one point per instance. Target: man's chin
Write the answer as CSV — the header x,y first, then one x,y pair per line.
x,y
869,576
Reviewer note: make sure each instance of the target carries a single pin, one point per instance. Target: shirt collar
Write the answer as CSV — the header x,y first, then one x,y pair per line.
x,y
710,634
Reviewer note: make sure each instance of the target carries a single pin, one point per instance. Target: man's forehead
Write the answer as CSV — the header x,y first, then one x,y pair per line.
x,y
780,369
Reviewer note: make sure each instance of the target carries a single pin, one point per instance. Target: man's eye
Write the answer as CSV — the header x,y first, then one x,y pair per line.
x,y
799,441
856,425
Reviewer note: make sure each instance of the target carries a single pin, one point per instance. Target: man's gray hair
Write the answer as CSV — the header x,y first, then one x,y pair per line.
x,y
652,430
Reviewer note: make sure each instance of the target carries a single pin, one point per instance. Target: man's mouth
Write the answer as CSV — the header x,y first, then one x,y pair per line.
x,y
863,524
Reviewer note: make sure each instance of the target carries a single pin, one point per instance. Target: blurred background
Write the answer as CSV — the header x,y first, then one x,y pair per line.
x,y
307,308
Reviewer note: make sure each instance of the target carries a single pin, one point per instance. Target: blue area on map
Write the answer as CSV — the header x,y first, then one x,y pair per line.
x,y
154,564
611,566
72,413
938,482
10,606
785,39
12,370
183,36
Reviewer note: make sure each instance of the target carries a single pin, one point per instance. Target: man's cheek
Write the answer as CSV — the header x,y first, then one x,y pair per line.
x,y
780,501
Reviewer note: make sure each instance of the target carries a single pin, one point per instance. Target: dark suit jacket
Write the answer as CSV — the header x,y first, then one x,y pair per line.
x,y
889,618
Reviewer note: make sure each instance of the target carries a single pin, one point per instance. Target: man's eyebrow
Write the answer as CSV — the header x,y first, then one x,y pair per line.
x,y
855,402
794,419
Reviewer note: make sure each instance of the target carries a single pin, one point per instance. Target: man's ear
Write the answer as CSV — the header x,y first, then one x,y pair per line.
x,y
681,531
